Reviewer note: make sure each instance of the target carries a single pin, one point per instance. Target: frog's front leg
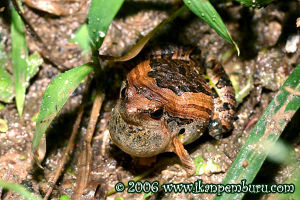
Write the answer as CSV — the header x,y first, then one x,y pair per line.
x,y
177,147
224,102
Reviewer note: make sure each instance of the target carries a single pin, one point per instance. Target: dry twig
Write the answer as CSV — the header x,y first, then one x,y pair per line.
x,y
85,158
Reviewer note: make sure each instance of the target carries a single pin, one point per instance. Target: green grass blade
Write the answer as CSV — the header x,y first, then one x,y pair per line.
x,y
54,98
19,54
255,3
24,67
204,10
264,135
101,14
19,189
81,37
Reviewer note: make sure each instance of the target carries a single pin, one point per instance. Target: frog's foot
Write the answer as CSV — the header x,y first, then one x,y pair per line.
x,y
184,157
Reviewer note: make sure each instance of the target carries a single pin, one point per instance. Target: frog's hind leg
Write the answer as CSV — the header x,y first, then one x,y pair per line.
x,y
224,101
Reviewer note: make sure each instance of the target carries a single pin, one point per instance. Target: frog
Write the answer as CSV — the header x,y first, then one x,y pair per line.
x,y
167,102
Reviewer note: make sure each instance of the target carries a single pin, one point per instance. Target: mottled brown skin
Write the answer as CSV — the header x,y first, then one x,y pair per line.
x,y
166,103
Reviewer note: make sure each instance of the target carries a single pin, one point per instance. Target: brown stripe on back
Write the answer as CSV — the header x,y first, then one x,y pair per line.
x,y
187,105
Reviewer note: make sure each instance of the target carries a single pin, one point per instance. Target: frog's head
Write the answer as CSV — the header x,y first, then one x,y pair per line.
x,y
137,124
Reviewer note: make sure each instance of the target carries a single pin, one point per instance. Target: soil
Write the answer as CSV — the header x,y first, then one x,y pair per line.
x,y
261,35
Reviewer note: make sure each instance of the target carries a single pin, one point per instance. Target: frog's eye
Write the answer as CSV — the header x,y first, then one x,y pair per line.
x,y
157,114
123,93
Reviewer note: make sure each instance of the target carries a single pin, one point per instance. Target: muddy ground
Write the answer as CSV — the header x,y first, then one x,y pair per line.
x,y
261,34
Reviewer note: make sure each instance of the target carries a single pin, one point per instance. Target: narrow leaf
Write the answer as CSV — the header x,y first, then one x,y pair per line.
x,y
54,98
204,10
101,14
81,37
265,134
19,189
19,54
255,3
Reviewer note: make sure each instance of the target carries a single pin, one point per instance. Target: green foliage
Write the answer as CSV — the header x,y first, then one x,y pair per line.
x,y
64,197
101,14
81,37
204,10
19,189
264,135
119,198
255,3
146,195
19,55
54,98
205,167
24,67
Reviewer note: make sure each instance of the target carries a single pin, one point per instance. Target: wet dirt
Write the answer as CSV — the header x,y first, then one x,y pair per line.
x,y
261,35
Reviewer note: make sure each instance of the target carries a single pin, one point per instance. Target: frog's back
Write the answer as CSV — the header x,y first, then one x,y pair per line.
x,y
176,83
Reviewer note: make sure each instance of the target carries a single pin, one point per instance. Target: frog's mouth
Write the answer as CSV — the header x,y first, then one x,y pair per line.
x,y
136,140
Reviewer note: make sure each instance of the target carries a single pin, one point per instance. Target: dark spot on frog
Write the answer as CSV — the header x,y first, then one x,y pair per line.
x,y
230,96
222,82
178,79
182,70
228,106
229,117
138,129
137,139
131,130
